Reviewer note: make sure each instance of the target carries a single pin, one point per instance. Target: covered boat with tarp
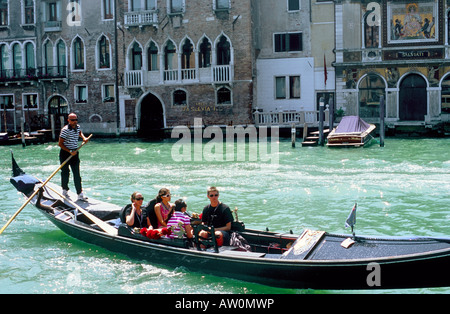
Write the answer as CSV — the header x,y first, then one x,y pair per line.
x,y
352,131
311,259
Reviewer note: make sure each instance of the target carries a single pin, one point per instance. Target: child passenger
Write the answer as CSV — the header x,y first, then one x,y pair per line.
x,y
180,220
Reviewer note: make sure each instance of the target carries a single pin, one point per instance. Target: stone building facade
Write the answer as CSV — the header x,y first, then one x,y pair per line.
x,y
294,42
184,60
398,50
56,58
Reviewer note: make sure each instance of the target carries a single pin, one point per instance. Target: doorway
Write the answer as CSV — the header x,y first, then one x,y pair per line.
x,y
413,98
151,122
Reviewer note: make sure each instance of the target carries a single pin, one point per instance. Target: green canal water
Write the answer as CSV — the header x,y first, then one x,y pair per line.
x,y
401,189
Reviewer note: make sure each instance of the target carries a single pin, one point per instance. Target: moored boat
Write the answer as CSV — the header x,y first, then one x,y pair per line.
x,y
312,259
352,131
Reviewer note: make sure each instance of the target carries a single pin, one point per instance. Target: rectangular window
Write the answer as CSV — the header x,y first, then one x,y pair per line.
x,y
52,12
176,6
108,93
294,87
280,87
30,101
81,94
287,91
3,12
222,4
293,5
6,101
28,12
150,5
108,9
288,42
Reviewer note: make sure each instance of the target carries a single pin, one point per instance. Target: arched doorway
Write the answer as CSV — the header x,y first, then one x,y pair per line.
x,y
371,89
151,122
413,98
57,106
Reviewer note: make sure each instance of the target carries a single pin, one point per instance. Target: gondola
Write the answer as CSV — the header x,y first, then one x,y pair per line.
x,y
312,259
352,131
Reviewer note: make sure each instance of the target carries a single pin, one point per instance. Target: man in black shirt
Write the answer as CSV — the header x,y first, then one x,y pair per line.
x,y
218,215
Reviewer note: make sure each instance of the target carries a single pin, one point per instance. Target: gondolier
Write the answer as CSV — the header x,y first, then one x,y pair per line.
x,y
68,141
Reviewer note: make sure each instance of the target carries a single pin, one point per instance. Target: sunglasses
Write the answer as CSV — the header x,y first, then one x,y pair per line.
x,y
139,199
167,195
213,195
73,119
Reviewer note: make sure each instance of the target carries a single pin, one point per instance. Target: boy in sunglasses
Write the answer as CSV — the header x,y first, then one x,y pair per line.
x,y
68,141
218,215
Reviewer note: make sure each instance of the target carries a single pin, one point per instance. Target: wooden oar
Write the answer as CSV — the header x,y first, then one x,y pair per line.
x,y
103,225
37,190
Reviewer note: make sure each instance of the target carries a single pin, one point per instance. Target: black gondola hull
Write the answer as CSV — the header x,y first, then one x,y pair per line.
x,y
415,271
370,263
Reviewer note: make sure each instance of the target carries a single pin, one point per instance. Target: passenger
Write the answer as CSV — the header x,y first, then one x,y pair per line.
x,y
219,215
150,211
163,208
135,217
180,219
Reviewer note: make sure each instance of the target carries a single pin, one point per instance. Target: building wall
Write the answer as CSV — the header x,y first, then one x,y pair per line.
x,y
198,20
394,49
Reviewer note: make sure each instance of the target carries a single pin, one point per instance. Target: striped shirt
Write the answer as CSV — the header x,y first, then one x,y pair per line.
x,y
178,217
70,136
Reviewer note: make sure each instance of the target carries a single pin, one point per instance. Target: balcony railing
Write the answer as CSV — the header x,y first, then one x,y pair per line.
x,y
133,78
33,74
141,18
221,73
52,26
287,118
217,74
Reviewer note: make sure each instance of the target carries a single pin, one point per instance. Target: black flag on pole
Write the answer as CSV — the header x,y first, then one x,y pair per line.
x,y
351,219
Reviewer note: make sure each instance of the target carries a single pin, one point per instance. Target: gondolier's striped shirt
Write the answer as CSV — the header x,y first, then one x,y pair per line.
x,y
70,136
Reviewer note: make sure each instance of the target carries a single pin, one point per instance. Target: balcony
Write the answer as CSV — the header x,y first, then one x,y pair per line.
x,y
289,118
141,18
52,26
33,74
214,74
133,78
222,73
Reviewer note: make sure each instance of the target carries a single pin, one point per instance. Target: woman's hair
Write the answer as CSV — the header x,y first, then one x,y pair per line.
x,y
179,204
161,192
133,196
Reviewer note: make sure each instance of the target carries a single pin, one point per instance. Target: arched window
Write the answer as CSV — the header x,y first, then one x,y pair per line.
x,y
61,58
371,88
179,98
223,51
29,60
224,96
48,57
445,101
78,52
170,59
188,58
4,64
17,59
103,53
152,56
136,57
205,54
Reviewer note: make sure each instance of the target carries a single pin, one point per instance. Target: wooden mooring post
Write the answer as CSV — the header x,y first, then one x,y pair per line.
x,y
382,114
293,134
321,109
